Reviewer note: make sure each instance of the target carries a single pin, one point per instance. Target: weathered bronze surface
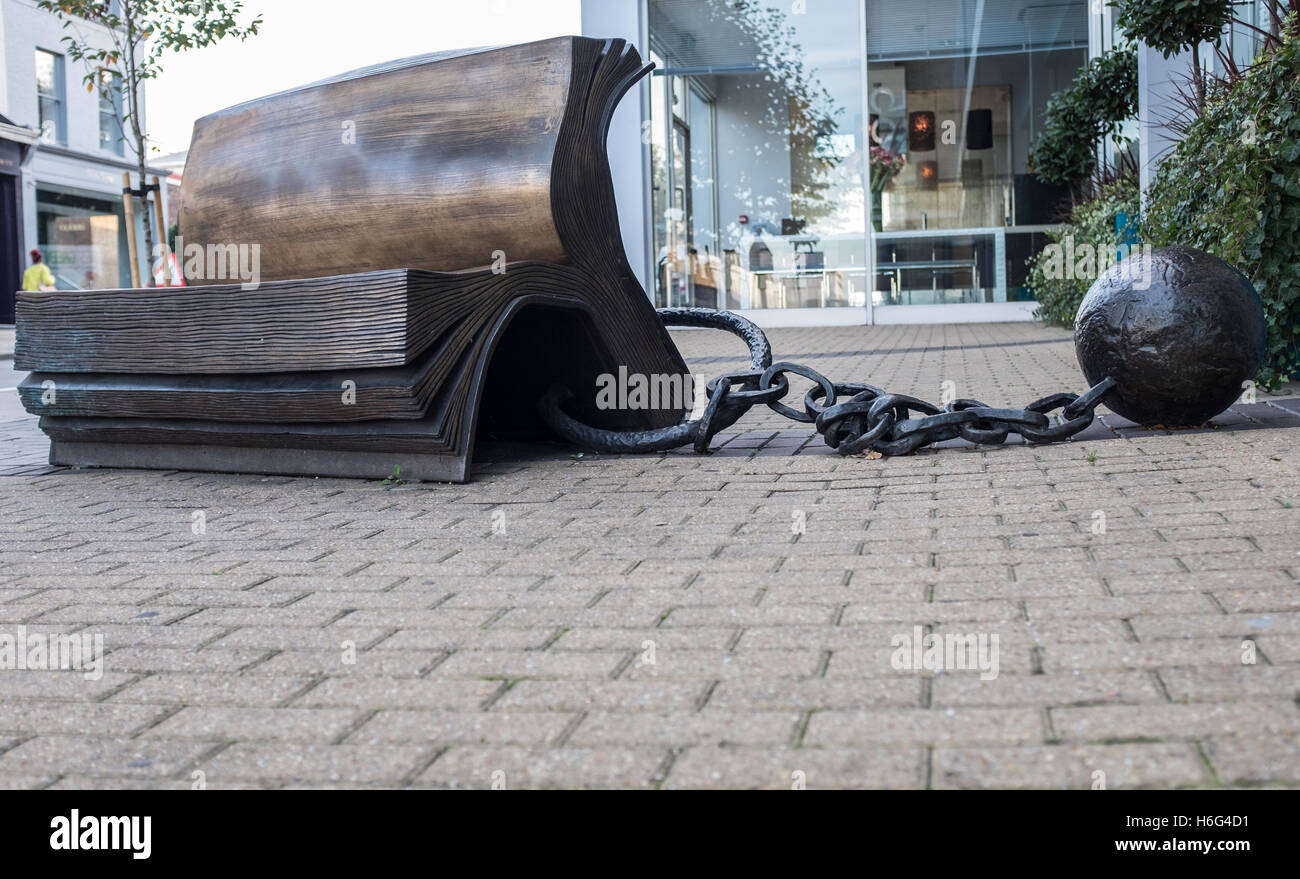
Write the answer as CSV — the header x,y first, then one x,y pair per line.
x,y
441,160
1179,330
429,229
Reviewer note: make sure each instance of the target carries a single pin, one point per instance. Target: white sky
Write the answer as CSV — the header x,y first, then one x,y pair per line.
x,y
305,40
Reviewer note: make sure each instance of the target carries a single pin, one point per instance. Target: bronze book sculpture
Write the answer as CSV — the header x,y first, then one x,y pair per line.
x,y
424,230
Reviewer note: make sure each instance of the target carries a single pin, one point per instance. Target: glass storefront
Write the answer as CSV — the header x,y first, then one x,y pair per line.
x,y
788,138
82,239
757,186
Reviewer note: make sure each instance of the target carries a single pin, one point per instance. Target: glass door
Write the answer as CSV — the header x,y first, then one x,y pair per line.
x,y
677,264
757,153
707,276
688,269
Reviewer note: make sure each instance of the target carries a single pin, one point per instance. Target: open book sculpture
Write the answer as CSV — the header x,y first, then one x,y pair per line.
x,y
436,242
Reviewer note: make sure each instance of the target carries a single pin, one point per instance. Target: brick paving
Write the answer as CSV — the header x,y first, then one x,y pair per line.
x,y
657,621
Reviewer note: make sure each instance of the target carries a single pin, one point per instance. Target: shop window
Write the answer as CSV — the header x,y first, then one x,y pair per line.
x,y
83,239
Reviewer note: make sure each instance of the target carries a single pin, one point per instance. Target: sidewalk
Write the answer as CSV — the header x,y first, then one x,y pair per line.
x,y
680,620
24,446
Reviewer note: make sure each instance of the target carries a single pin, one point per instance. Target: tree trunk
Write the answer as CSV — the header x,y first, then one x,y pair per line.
x,y
148,225
132,82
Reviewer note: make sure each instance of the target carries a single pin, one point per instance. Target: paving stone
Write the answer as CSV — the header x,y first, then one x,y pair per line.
x,y
620,695
811,694
1118,607
320,725
504,664
364,663
368,692
1043,690
101,756
1208,625
103,614
513,767
456,638
1179,721
211,688
684,638
196,779
31,717
1278,648
463,727
681,729
26,782
272,637
145,660
71,685
1069,766
926,725
923,612
178,635
655,621
1251,761
868,662
1259,600
1151,654
347,764
714,665
785,768
1213,683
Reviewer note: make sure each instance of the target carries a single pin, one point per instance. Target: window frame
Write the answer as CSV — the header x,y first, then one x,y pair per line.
x,y
111,109
58,97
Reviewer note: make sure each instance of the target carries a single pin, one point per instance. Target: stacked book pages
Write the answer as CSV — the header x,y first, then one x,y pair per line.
x,y
381,267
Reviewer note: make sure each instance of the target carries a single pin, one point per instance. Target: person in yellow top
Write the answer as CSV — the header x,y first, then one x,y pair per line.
x,y
38,276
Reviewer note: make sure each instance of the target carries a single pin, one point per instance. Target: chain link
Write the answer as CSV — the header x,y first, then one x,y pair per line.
x,y
852,418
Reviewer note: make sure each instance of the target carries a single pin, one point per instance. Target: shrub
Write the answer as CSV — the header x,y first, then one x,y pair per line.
x,y
1102,96
1232,187
1089,229
1171,26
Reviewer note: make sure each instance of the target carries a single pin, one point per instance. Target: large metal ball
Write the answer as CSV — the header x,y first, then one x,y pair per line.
x,y
1179,330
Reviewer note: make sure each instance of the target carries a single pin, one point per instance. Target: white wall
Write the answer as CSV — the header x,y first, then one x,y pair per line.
x,y
629,159
4,68
27,28
1158,79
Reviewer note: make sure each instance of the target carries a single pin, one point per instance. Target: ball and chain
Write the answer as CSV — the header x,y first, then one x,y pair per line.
x,y
1168,337
851,417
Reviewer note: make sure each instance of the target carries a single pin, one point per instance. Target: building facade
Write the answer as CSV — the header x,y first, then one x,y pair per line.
x,y
744,166
69,154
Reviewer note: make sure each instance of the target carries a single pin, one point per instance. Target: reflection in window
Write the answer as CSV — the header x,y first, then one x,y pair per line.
x,y
80,237
51,97
958,89
110,112
771,170
756,166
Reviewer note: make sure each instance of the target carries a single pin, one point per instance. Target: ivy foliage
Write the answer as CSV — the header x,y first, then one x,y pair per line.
x,y
1089,233
1231,187
1101,98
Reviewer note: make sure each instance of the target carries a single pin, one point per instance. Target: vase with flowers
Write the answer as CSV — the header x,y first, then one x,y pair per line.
x,y
885,165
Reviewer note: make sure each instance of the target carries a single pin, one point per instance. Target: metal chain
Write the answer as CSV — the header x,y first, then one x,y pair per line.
x,y
851,417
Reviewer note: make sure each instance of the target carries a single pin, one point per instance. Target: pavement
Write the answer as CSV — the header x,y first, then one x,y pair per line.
x,y
1122,610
